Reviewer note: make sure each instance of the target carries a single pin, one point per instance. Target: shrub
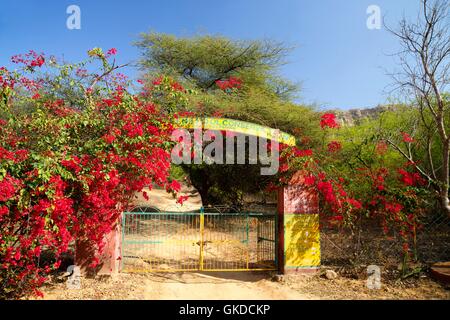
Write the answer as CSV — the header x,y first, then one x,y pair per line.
x,y
75,145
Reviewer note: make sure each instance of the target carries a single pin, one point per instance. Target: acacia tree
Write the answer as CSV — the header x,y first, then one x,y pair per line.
x,y
227,78
424,75
205,60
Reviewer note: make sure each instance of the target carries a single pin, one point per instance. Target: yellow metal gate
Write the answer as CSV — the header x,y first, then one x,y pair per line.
x,y
168,241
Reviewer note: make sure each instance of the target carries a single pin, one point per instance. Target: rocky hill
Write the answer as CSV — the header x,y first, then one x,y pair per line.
x,y
354,116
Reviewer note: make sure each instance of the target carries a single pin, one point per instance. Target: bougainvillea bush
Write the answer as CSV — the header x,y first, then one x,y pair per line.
x,y
77,142
363,183
75,145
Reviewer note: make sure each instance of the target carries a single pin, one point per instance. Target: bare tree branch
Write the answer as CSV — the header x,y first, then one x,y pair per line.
x,y
425,63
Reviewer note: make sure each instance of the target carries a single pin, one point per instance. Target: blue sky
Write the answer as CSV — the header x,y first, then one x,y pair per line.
x,y
340,62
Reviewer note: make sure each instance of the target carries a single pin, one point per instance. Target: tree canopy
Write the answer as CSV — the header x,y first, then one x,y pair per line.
x,y
234,79
204,60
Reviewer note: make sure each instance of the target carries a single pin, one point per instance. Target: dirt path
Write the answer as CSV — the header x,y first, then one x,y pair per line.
x,y
219,286
178,286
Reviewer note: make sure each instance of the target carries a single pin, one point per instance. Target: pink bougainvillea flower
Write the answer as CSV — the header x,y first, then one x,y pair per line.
x,y
112,51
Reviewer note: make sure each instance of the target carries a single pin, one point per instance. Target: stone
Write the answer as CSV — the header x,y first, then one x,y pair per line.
x,y
278,278
353,117
331,275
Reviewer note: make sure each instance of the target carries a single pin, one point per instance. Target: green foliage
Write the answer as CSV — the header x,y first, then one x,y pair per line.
x,y
176,173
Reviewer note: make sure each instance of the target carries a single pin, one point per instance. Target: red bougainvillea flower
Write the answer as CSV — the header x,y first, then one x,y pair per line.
x,y
410,179
38,62
406,177
406,137
109,138
217,114
72,164
334,146
175,186
381,148
7,189
303,153
229,83
326,188
177,87
284,167
354,203
393,207
328,120
3,212
6,155
310,180
31,59
157,81
182,199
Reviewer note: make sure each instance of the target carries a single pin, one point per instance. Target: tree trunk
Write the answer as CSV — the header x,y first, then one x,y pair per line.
x,y
445,202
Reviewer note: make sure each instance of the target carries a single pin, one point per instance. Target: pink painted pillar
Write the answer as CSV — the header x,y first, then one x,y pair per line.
x,y
110,258
299,235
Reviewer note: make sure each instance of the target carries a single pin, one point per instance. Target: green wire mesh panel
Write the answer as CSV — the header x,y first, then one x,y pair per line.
x,y
160,241
238,241
225,242
167,241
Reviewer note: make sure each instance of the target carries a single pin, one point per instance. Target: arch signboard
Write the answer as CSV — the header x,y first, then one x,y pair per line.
x,y
247,128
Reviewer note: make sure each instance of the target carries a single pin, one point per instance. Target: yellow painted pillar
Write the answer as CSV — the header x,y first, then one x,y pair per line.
x,y
299,234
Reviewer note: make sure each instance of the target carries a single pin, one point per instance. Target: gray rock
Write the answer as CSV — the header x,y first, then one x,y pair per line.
x,y
351,117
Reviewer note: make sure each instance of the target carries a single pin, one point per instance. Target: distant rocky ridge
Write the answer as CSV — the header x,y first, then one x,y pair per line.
x,y
355,116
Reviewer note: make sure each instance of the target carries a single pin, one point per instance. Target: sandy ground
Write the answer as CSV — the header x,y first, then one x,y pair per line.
x,y
240,286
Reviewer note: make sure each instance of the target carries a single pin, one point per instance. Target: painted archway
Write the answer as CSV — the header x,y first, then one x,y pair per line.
x,y
225,124
298,247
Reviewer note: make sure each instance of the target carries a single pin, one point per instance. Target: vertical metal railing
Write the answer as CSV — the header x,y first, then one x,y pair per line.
x,y
202,236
